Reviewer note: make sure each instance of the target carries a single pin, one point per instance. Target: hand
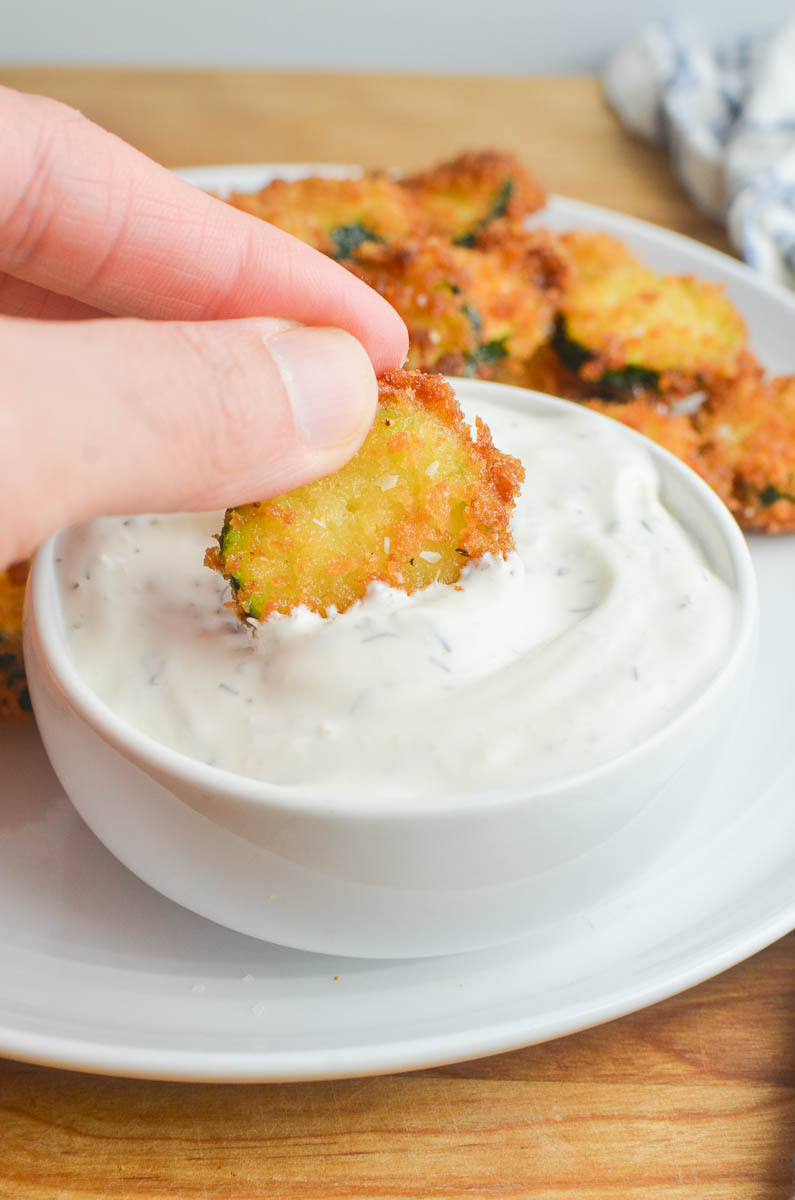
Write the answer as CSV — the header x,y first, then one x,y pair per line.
x,y
253,371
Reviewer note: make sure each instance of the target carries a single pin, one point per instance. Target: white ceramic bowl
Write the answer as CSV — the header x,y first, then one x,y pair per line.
x,y
337,876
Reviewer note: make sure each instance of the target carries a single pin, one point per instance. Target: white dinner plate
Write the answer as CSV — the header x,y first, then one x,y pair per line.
x,y
100,973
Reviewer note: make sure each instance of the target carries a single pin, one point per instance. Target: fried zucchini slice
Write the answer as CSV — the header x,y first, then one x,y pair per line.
x,y
625,329
482,311
544,372
517,282
473,192
417,502
14,697
429,285
747,430
336,216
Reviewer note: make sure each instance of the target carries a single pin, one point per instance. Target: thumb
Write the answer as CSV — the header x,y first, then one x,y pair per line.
x,y
116,416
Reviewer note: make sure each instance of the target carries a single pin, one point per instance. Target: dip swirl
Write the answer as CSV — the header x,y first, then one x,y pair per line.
x,y
588,638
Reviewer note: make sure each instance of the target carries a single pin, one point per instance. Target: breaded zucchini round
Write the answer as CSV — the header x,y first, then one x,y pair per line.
x,y
516,284
14,698
470,193
544,372
623,327
336,216
748,432
430,287
482,311
418,502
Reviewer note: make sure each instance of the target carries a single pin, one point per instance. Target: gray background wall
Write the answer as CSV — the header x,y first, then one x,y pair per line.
x,y
490,36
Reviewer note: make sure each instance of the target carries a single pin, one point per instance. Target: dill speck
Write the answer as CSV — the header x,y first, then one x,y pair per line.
x,y
771,494
348,238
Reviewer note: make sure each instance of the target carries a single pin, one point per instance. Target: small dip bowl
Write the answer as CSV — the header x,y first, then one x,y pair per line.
x,y
339,875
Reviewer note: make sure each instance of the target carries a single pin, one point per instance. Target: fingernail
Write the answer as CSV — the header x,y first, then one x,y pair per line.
x,y
329,381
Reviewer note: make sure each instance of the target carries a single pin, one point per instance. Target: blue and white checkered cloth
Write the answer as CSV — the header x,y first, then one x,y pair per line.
x,y
727,118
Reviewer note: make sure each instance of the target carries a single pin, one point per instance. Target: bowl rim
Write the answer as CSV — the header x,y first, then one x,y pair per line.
x,y
48,630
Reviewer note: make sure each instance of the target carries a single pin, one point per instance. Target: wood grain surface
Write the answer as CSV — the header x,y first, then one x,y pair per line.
x,y
693,1099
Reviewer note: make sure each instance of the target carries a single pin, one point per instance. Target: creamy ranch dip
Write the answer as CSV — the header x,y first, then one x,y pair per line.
x,y
590,636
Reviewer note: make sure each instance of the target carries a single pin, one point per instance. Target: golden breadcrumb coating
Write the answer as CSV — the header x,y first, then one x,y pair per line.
x,y
430,286
336,215
473,192
624,327
14,698
747,429
482,311
418,502
544,372
517,282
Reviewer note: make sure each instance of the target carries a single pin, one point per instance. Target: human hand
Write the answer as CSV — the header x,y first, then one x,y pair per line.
x,y
253,371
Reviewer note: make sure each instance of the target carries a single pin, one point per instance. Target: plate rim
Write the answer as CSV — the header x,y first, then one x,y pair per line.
x,y
411,1054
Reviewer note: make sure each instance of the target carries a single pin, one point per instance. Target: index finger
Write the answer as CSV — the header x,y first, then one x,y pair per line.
x,y
84,214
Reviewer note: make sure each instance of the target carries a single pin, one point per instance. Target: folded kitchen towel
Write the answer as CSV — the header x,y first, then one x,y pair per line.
x,y
727,118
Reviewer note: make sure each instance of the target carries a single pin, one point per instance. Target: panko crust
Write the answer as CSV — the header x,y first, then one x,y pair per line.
x,y
417,502
747,430
14,697
544,372
476,191
430,286
540,253
479,312
624,327
337,215
517,282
